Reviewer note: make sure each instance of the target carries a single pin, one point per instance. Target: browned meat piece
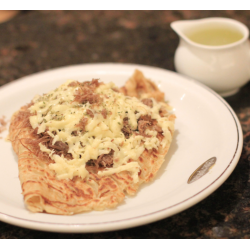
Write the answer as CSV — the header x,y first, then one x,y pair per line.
x,y
147,102
146,122
103,161
106,160
82,123
90,84
104,113
85,94
90,113
126,130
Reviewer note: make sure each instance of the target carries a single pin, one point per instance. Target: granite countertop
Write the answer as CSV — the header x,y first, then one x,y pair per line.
x,y
34,41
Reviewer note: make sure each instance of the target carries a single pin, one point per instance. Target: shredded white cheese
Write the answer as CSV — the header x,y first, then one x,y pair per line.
x,y
58,112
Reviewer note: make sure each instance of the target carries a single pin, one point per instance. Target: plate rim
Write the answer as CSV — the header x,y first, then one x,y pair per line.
x,y
137,220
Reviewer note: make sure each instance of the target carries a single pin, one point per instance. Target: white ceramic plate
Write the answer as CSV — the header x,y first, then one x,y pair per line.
x,y
206,127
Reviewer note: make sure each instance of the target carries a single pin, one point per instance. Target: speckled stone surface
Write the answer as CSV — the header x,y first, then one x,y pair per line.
x,y
38,40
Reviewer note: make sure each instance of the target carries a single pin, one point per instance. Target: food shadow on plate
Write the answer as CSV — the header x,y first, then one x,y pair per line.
x,y
14,156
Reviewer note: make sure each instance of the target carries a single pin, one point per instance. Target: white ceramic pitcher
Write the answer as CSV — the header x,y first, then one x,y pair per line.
x,y
223,68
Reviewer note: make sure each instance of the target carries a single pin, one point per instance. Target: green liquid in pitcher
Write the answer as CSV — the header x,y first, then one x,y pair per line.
x,y
214,36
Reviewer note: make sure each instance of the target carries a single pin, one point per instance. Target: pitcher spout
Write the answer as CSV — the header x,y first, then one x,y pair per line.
x,y
182,27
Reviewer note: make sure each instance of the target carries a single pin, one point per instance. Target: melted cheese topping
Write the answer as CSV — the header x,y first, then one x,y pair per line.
x,y
57,111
